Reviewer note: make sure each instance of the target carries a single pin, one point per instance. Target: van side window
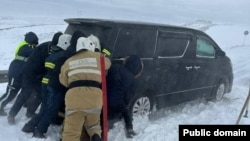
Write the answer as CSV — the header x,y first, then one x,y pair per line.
x,y
135,41
204,48
172,44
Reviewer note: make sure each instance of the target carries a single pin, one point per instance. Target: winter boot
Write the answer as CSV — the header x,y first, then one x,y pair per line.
x,y
130,133
11,120
95,137
2,112
27,128
30,114
38,134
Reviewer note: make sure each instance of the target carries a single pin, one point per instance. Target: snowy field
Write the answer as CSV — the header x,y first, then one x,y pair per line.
x,y
226,28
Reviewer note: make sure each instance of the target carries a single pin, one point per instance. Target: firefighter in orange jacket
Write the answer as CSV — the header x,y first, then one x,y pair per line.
x,y
81,74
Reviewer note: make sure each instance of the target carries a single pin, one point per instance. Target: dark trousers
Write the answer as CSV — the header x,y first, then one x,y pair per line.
x,y
51,102
112,118
33,102
13,87
25,93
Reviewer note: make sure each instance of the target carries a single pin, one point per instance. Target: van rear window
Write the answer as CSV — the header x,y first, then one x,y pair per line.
x,y
102,32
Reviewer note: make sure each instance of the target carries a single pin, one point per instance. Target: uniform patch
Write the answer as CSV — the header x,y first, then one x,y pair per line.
x,y
86,62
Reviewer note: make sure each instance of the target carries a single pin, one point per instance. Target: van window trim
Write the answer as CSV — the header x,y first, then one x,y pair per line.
x,y
181,56
169,57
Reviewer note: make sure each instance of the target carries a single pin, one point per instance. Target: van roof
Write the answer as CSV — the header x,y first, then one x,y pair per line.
x,y
111,22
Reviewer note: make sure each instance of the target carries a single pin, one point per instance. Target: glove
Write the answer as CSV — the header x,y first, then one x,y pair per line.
x,y
53,49
130,133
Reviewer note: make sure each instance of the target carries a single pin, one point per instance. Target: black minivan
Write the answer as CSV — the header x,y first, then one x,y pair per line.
x,y
180,64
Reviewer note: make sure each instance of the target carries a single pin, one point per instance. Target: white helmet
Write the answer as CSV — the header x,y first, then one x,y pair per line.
x,y
85,43
64,41
96,41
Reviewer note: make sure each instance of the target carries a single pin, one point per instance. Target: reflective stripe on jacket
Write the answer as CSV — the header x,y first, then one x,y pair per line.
x,y
21,58
84,65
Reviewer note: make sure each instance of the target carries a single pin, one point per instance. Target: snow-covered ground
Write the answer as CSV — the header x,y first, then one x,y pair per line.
x,y
224,20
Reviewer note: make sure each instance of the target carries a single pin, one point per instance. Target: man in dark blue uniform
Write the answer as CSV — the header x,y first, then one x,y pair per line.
x,y
32,76
52,90
23,51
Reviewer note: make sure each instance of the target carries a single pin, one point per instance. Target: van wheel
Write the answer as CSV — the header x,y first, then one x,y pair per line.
x,y
219,91
141,105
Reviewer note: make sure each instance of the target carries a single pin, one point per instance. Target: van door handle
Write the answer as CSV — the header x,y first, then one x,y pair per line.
x,y
188,67
197,67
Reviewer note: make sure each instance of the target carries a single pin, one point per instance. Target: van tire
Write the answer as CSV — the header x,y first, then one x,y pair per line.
x,y
141,105
219,90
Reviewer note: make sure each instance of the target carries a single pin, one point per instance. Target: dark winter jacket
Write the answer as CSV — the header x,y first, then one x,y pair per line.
x,y
34,68
53,65
121,87
23,52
